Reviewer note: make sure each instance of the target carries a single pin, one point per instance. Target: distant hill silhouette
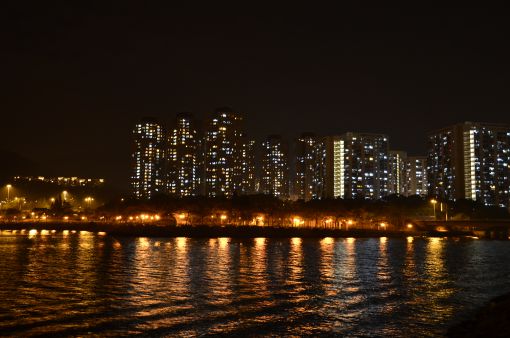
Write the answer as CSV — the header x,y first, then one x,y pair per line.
x,y
13,164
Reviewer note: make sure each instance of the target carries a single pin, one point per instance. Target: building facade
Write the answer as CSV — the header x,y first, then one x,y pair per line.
x,y
416,176
249,177
275,167
224,153
353,166
366,165
397,173
184,158
305,166
470,160
441,160
329,180
149,169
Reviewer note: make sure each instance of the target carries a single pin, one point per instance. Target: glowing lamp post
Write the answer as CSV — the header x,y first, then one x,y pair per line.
x,y
182,218
19,201
434,202
445,210
8,191
297,221
349,222
88,200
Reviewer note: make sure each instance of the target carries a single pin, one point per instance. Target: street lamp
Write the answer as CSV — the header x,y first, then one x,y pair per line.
x,y
8,191
88,200
434,202
64,195
445,210
18,200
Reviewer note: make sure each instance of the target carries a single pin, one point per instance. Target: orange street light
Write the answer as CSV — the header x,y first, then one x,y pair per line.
x,y
259,220
349,222
445,209
297,221
8,191
89,201
434,202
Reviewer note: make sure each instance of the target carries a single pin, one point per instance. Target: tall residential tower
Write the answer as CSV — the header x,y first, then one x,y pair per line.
x,y
397,172
416,176
184,158
329,179
470,160
275,167
224,153
305,166
149,175
366,165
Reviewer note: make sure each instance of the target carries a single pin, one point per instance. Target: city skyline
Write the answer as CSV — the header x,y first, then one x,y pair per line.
x,y
468,160
413,176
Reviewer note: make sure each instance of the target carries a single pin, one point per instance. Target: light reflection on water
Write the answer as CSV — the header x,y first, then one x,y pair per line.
x,y
81,283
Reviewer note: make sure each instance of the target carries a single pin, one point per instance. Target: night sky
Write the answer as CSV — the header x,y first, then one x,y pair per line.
x,y
76,79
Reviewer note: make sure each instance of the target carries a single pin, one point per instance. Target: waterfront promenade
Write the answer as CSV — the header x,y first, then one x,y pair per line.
x,y
235,231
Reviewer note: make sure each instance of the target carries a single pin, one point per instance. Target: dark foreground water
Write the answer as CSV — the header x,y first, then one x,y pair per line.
x,y
83,283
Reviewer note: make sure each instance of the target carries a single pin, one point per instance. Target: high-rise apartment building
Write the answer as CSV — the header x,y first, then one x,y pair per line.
x,y
354,165
249,181
184,158
470,160
366,165
223,153
440,163
397,172
275,167
149,175
416,176
406,174
329,180
305,166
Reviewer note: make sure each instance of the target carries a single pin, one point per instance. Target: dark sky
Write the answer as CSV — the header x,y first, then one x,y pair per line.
x,y
76,78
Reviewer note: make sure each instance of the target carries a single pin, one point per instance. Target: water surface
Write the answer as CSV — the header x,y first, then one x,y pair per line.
x,y
84,283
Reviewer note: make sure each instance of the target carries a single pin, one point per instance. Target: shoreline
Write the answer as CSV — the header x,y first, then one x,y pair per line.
x,y
205,231
490,320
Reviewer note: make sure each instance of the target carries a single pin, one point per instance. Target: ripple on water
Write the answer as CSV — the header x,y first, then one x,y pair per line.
x,y
75,284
